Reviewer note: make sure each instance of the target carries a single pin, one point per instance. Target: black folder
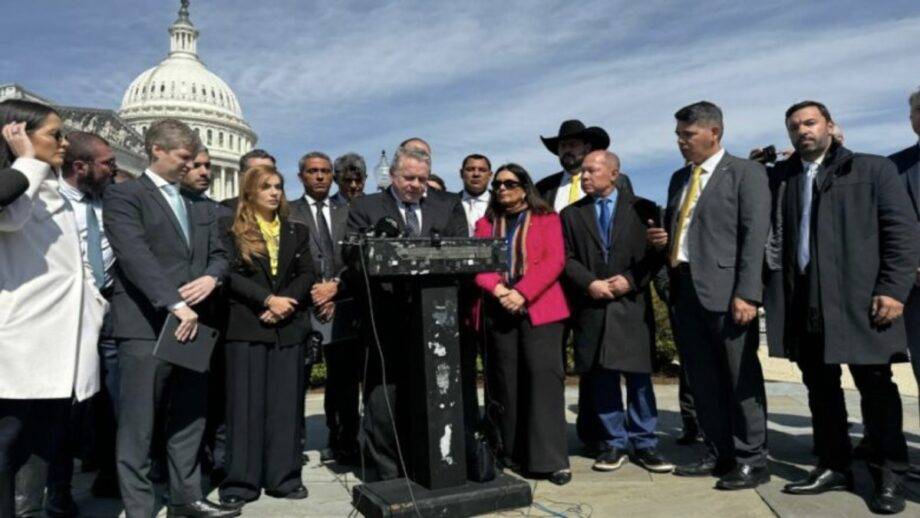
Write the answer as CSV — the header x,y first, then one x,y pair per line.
x,y
194,354
648,210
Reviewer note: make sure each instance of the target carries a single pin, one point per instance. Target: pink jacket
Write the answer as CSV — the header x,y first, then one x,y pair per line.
x,y
540,284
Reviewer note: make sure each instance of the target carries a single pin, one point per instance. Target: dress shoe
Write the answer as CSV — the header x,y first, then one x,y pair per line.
x,y
651,460
610,459
690,436
889,495
913,473
200,509
705,467
821,480
744,476
60,504
105,485
298,493
560,477
233,501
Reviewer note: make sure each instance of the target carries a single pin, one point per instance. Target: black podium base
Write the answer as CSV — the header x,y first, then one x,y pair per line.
x,y
390,498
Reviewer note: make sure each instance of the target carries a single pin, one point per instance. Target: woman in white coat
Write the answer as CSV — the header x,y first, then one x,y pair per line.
x,y
50,309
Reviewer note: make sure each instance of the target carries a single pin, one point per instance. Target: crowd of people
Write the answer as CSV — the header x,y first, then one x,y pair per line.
x,y
94,263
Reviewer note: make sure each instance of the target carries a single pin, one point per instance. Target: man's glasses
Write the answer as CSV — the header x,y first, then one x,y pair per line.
x,y
507,184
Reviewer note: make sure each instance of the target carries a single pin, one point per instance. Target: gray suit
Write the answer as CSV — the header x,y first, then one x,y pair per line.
x,y
726,241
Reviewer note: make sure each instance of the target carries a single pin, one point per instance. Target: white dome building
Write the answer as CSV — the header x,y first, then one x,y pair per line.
x,y
181,87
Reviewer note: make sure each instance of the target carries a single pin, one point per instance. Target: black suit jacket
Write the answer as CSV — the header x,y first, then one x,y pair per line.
x,y
153,258
300,211
547,187
867,243
908,163
249,285
613,334
440,211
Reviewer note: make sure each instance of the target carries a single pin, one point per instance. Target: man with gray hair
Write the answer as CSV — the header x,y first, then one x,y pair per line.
x,y
908,163
713,237
350,173
419,212
169,261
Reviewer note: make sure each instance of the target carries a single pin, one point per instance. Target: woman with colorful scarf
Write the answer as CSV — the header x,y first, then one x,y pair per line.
x,y
523,312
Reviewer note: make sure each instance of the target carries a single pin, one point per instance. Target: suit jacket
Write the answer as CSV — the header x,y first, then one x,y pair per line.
x,y
908,163
546,303
153,258
867,241
547,187
50,309
440,211
249,285
613,334
344,323
728,233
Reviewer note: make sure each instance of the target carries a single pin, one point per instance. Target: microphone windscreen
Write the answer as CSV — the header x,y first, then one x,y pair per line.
x,y
12,185
386,227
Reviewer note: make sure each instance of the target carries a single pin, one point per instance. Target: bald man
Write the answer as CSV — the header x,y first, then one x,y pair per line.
x,y
609,267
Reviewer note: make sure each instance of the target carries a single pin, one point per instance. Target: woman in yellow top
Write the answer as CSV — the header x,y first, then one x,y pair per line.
x,y
271,273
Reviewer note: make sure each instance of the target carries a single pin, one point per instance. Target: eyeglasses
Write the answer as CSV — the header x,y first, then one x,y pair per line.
x,y
507,184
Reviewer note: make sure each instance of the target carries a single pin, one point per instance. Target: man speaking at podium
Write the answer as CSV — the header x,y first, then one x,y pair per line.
x,y
418,212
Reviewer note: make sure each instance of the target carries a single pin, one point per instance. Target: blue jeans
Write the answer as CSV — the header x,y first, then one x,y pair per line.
x,y
636,424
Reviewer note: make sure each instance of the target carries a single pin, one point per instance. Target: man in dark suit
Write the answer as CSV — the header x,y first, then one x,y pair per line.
x,y
333,314
418,212
170,260
908,164
846,216
610,265
715,230
350,173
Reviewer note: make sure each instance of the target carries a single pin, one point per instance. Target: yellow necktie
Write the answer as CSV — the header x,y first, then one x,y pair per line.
x,y
689,201
575,189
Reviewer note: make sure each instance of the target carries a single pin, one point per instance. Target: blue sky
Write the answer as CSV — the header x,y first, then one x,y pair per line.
x,y
491,77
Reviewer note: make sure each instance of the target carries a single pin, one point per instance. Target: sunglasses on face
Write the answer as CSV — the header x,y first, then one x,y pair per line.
x,y
507,184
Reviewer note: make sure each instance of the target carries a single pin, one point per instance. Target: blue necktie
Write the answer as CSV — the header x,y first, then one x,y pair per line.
x,y
804,252
178,207
412,225
94,245
603,221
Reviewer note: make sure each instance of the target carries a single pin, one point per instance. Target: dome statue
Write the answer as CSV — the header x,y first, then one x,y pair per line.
x,y
181,87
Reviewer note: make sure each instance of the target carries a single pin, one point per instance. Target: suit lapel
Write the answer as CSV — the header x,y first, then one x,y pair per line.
x,y
164,206
586,211
793,206
624,204
286,245
428,211
718,172
682,176
392,210
911,174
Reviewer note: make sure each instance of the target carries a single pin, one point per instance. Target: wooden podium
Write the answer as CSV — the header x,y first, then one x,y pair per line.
x,y
435,454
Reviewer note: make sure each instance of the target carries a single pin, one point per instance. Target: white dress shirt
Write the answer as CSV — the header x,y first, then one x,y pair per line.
x,y
683,255
562,194
402,208
79,201
313,208
475,208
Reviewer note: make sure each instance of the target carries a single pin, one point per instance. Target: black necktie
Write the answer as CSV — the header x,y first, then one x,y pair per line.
x,y
412,226
325,240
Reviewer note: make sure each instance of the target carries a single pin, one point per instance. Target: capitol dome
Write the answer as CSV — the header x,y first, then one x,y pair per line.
x,y
181,87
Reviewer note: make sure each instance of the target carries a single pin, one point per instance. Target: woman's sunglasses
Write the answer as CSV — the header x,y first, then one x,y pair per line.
x,y
507,184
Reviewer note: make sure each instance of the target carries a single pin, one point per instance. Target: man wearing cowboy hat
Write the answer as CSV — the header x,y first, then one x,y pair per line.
x,y
572,145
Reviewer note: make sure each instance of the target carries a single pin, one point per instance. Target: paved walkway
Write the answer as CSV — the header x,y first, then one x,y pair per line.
x,y
629,492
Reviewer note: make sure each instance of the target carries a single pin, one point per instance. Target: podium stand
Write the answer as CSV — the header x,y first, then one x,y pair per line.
x,y
435,454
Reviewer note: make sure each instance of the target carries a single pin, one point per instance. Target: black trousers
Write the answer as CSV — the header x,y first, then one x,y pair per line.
x,y
214,446
724,375
880,404
527,389
344,366
685,400
149,386
265,409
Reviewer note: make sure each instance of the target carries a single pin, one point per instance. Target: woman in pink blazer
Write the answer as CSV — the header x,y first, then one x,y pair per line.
x,y
523,312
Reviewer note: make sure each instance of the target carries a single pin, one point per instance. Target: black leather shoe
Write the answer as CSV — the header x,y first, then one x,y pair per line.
x,y
233,501
200,509
821,480
60,504
561,477
913,473
707,466
298,493
888,497
689,437
744,476
650,459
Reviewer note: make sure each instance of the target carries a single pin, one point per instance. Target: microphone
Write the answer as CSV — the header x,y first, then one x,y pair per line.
x,y
12,185
386,227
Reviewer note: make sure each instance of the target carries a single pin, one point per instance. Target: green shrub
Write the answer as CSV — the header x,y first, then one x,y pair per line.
x,y
665,349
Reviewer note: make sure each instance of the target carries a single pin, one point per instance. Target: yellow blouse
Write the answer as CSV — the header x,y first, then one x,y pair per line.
x,y
271,232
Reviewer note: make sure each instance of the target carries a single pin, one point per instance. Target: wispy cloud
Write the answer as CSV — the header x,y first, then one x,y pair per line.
x,y
491,77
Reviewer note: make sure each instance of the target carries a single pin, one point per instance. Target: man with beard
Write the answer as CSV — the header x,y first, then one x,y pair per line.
x,y
89,165
572,145
350,176
849,247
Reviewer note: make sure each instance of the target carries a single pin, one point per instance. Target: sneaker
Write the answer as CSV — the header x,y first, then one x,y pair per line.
x,y
651,460
610,460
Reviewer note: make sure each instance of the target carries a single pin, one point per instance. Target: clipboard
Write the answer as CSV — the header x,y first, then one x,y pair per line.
x,y
194,354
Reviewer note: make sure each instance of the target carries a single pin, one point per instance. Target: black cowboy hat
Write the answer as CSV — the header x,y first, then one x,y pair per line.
x,y
594,135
